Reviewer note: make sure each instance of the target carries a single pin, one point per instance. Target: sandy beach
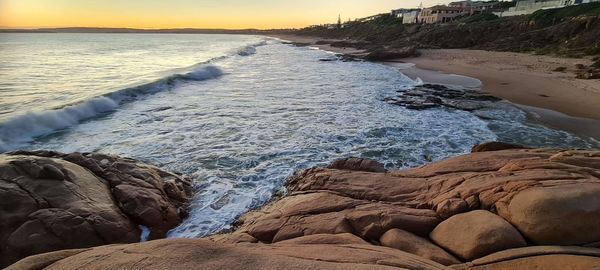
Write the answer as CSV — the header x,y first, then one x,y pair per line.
x,y
555,99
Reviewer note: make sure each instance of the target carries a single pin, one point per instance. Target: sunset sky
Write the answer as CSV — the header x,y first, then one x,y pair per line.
x,y
232,14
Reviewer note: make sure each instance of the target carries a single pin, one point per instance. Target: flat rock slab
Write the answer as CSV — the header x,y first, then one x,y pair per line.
x,y
204,254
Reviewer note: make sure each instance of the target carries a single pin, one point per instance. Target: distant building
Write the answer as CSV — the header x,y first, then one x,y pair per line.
x,y
408,16
476,7
441,14
411,17
524,7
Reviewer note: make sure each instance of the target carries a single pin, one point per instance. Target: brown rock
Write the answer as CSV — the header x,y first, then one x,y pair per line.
x,y
475,234
538,257
451,207
368,204
53,201
41,212
357,164
372,220
41,261
233,238
413,244
566,215
177,254
150,196
495,146
326,239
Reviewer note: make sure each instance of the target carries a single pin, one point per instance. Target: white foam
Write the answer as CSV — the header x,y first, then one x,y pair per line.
x,y
25,127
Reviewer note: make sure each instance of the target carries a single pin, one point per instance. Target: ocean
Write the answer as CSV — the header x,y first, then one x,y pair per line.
x,y
238,113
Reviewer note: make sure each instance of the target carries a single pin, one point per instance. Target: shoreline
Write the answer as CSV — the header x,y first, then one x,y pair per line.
x,y
526,81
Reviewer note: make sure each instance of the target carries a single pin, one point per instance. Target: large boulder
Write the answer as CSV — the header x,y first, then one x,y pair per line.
x,y
413,244
49,203
203,254
568,215
476,234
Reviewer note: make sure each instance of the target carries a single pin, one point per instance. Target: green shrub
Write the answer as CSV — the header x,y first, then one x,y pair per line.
x,y
552,16
479,18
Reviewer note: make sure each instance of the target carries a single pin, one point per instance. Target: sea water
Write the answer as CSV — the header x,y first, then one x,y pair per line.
x,y
237,113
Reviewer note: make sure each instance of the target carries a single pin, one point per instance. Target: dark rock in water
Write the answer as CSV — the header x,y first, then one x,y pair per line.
x,y
328,59
300,44
53,201
351,44
428,96
495,146
388,54
357,164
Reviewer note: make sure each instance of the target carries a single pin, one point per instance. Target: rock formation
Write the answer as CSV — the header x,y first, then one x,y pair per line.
x,y
509,208
426,96
53,201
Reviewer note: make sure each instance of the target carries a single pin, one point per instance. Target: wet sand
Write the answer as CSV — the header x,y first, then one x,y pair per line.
x,y
554,99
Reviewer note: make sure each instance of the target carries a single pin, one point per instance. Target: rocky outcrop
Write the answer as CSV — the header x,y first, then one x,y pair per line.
x,y
53,201
383,54
429,96
491,209
469,205
475,234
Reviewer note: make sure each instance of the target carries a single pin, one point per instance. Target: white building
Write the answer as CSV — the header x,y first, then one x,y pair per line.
x,y
525,7
408,16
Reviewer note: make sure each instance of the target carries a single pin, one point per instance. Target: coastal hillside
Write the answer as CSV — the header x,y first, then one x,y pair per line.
x,y
571,31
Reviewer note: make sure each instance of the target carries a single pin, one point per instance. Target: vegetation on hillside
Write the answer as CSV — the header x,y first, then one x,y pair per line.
x,y
572,31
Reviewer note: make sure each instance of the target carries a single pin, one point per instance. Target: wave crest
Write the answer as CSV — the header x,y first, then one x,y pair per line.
x,y
25,127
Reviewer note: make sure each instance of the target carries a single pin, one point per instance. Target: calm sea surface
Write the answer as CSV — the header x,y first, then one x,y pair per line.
x,y
237,113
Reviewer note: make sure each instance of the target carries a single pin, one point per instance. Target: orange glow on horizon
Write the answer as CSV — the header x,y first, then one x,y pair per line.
x,y
154,14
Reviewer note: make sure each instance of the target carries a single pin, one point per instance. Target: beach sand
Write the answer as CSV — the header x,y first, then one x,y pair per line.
x,y
554,99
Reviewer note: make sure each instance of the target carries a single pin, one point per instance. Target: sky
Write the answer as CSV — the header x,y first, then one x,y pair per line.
x,y
229,14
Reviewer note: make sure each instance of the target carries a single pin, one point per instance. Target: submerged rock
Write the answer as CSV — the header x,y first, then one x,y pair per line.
x,y
429,96
53,201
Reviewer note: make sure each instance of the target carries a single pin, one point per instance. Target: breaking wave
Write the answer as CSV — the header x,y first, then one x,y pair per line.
x,y
250,49
23,128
